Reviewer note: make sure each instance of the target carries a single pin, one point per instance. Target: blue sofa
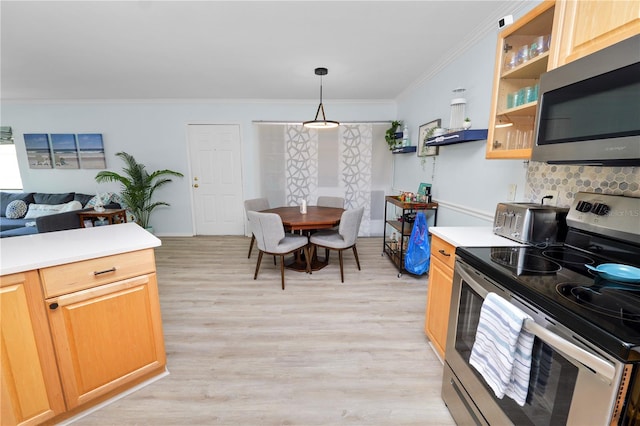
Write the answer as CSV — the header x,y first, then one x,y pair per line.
x,y
10,227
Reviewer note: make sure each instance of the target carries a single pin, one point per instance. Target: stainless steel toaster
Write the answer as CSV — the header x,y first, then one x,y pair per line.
x,y
531,223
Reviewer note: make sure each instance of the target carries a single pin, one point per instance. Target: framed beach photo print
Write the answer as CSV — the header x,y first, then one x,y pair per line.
x,y
65,151
38,150
423,133
91,150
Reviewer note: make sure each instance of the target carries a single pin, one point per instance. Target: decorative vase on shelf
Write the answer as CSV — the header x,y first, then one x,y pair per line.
x,y
466,124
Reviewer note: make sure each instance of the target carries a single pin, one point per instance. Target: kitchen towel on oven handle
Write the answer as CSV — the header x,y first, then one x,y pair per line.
x,y
502,348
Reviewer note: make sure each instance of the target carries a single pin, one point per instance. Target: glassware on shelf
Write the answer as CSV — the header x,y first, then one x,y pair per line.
x,y
519,97
531,93
510,60
523,55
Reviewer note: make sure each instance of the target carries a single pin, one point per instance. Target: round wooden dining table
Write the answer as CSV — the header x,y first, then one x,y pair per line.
x,y
316,217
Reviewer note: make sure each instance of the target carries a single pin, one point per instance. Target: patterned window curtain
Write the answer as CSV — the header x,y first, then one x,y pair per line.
x,y
351,161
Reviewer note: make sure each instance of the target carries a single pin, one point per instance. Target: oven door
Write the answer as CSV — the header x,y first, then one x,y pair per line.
x,y
570,383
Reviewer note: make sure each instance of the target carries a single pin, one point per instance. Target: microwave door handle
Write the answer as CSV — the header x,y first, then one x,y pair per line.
x,y
601,367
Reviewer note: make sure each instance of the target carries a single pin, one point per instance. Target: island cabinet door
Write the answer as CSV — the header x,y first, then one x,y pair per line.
x,y
30,391
107,337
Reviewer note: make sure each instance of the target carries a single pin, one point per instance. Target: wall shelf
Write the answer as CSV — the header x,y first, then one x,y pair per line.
x,y
404,149
458,137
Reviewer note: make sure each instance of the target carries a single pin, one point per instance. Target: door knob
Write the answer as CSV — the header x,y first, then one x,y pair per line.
x,y
196,185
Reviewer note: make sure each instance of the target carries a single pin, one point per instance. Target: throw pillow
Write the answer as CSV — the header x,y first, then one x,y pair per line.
x,y
7,197
83,198
71,206
16,209
43,198
106,198
38,210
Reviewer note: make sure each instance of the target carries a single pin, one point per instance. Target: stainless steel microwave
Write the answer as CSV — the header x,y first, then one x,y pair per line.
x,y
589,109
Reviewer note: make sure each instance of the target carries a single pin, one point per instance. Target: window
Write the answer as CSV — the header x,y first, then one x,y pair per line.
x,y
9,172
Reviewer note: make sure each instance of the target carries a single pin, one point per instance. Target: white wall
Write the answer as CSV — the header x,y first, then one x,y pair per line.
x,y
155,134
466,185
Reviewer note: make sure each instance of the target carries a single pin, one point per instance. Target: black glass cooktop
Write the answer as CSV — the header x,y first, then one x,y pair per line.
x,y
555,280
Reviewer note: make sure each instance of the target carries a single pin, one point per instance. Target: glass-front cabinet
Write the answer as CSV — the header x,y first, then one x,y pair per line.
x,y
522,55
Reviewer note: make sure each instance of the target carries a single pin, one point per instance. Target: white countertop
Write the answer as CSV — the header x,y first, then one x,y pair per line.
x,y
471,236
24,253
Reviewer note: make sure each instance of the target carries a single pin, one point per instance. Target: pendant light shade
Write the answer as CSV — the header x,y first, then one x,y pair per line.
x,y
321,122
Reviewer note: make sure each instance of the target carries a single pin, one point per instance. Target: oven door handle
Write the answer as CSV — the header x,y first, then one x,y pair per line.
x,y
595,363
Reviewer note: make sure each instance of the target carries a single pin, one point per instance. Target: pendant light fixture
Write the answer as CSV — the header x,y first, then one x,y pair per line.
x,y
323,123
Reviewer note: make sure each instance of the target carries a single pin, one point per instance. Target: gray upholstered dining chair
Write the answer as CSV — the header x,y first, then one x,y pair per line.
x,y
271,239
325,201
344,238
255,205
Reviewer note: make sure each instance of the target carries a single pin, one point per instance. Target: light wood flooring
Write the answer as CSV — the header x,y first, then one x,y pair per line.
x,y
245,352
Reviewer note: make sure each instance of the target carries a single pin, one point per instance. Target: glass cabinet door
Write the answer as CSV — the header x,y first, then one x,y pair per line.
x,y
522,55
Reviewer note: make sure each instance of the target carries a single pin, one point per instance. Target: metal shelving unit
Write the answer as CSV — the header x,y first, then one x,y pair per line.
x,y
402,227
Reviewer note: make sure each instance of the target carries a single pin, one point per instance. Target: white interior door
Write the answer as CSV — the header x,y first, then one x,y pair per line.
x,y
216,179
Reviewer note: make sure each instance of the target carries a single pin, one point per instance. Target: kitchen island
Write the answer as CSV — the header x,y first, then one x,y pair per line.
x,y
80,320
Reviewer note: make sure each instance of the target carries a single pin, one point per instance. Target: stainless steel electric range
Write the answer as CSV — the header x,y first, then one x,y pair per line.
x,y
587,348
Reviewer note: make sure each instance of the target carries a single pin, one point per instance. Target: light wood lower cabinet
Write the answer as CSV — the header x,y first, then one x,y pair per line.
x,y
106,336
439,293
30,391
76,334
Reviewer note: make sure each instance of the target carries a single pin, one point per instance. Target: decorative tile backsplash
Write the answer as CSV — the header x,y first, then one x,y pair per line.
x,y
567,180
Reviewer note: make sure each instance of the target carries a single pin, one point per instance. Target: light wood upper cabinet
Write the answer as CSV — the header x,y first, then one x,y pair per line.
x,y
586,26
439,293
105,336
522,55
30,391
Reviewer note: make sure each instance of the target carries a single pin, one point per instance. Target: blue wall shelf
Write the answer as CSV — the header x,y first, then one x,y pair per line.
x,y
404,149
458,137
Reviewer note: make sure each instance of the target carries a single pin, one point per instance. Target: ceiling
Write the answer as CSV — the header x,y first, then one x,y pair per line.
x,y
374,50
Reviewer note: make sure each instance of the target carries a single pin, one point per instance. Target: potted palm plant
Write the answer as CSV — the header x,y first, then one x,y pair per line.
x,y
138,186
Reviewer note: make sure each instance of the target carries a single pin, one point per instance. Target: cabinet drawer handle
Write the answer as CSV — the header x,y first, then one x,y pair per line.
x,y
444,253
106,271
53,306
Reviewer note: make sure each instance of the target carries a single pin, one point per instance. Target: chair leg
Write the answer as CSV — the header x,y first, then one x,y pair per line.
x,y
355,253
282,269
255,276
341,270
253,239
326,255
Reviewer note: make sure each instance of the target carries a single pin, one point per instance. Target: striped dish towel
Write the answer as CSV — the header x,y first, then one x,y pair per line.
x,y
502,349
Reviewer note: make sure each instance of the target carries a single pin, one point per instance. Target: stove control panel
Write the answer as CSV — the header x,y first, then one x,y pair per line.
x,y
613,215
